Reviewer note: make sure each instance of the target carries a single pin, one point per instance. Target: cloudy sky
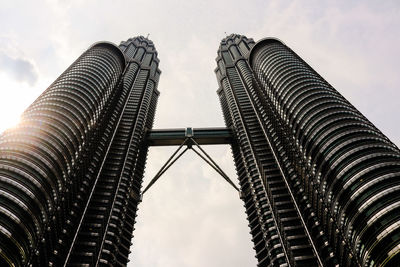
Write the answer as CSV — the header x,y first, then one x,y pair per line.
x,y
191,217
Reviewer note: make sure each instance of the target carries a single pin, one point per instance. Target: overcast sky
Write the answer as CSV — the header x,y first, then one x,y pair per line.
x,y
191,217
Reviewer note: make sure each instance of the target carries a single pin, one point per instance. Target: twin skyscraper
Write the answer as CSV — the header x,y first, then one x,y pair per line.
x,y
320,183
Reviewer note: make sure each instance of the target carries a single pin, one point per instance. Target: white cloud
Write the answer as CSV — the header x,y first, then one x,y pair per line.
x,y
20,69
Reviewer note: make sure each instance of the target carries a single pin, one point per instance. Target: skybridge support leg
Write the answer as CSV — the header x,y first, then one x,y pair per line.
x,y
189,141
166,166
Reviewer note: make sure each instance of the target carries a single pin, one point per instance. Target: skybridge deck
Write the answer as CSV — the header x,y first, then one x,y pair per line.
x,y
203,136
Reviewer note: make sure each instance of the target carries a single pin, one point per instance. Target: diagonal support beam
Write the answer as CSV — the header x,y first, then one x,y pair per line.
x,y
189,141
167,164
225,176
217,169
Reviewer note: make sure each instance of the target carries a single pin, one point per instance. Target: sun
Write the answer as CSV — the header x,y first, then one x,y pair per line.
x,y
15,96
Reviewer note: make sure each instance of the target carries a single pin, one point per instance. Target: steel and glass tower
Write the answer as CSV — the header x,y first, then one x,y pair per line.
x,y
71,171
319,181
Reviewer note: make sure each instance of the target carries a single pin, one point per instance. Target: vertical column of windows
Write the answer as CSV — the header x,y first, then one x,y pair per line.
x,y
105,232
132,174
265,236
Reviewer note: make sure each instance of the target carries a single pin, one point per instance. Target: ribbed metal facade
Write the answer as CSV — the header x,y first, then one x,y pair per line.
x,y
105,230
71,171
320,182
275,221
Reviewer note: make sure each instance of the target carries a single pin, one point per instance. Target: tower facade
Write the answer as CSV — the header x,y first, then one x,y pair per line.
x,y
319,181
71,171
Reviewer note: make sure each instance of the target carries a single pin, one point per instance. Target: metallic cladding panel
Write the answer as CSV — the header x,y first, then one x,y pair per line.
x,y
37,157
104,235
140,148
71,171
353,180
275,221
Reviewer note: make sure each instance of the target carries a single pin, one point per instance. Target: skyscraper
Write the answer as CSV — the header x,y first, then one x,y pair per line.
x,y
319,181
70,172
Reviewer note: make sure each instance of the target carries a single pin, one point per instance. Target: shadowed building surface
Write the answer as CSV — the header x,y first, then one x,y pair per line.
x,y
319,181
71,171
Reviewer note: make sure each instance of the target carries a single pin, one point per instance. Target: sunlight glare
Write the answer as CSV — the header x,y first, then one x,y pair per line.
x,y
14,98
